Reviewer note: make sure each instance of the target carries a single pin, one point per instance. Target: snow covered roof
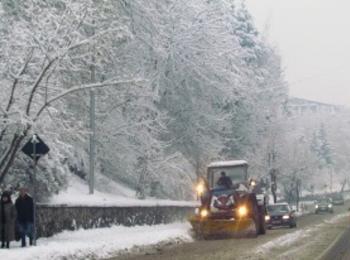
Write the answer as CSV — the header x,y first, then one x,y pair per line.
x,y
227,163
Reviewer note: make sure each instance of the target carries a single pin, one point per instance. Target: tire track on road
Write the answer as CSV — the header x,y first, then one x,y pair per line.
x,y
340,249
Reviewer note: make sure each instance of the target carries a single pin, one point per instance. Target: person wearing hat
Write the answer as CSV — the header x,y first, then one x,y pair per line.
x,y
7,219
225,181
25,216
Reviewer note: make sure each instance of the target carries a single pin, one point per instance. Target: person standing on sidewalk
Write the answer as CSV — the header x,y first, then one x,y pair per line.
x,y
25,216
7,219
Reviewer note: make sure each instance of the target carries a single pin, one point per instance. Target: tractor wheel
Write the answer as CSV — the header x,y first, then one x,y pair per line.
x,y
262,224
257,228
254,209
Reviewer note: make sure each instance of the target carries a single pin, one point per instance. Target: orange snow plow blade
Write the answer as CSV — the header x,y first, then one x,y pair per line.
x,y
206,228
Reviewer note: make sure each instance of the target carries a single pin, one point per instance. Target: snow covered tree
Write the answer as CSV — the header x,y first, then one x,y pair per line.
x,y
45,49
321,147
177,83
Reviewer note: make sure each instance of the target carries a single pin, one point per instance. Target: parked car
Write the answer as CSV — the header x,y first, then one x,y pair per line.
x,y
280,215
338,199
324,205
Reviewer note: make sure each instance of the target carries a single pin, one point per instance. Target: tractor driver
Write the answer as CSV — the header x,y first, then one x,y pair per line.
x,y
224,181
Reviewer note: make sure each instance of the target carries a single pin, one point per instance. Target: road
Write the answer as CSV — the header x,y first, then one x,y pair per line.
x,y
316,231
339,250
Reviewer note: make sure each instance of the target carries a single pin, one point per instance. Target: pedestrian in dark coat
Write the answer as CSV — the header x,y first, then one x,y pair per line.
x,y
7,219
25,216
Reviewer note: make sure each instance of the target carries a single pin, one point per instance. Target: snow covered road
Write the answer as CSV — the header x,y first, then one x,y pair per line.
x,y
313,235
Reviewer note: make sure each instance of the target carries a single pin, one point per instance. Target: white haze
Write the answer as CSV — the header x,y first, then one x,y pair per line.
x,y
313,40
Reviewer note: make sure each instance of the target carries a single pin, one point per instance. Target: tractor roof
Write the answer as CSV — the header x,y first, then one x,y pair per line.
x,y
233,163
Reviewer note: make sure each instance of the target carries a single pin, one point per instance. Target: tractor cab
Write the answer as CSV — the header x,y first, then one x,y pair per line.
x,y
232,173
235,171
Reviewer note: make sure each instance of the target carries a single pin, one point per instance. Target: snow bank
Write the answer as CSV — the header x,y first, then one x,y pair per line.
x,y
98,243
282,241
336,218
77,195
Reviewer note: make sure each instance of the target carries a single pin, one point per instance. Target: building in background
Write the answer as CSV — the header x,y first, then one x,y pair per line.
x,y
299,106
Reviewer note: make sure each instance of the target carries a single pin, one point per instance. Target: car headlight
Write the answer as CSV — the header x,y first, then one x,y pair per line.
x,y
204,213
285,217
316,206
329,205
267,218
242,211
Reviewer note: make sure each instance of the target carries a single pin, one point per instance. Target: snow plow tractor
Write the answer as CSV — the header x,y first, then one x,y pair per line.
x,y
231,203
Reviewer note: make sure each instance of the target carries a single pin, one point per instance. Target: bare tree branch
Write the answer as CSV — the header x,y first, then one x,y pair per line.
x,y
37,83
85,87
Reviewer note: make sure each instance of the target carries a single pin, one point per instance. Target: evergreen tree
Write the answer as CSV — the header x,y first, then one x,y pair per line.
x,y
321,147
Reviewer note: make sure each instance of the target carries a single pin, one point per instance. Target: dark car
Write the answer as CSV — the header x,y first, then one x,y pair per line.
x,y
324,205
338,199
280,215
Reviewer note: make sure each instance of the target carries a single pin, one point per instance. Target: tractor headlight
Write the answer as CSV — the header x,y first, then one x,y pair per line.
x,y
285,217
267,218
316,206
204,213
200,188
329,205
242,211
252,183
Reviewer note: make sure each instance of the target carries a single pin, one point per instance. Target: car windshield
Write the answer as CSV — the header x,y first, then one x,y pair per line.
x,y
236,174
338,197
324,201
277,208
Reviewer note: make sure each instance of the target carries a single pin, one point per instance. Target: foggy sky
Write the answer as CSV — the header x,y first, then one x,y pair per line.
x,y
313,38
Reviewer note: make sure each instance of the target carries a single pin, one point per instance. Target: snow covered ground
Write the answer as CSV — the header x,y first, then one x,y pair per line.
x,y
98,243
113,194
101,242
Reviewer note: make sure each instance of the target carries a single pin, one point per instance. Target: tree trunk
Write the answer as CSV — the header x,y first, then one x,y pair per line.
x,y
8,162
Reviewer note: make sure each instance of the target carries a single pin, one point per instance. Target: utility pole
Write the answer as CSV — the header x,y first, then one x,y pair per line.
x,y
92,125
331,179
35,196
35,148
92,141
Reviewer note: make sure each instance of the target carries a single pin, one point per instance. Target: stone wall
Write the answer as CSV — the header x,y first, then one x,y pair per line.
x,y
53,219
